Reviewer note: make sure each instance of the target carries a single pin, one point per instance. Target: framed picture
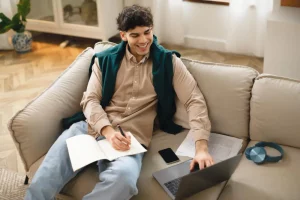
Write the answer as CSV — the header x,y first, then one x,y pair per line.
x,y
291,3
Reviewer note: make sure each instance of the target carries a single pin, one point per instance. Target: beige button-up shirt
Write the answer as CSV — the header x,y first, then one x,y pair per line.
x,y
134,102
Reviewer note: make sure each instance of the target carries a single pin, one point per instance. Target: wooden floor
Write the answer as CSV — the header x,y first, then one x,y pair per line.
x,y
24,76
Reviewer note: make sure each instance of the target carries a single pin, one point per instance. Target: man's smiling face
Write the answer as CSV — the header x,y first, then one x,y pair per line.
x,y
139,40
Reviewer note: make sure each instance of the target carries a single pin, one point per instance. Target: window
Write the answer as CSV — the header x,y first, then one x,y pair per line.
x,y
292,3
219,2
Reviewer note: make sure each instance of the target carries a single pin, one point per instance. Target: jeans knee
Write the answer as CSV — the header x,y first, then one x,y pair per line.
x,y
126,181
35,191
130,186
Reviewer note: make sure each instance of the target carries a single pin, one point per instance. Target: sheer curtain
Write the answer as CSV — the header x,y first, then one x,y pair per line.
x,y
247,26
168,21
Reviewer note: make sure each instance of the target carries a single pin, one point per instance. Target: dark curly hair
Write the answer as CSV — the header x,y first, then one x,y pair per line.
x,y
133,16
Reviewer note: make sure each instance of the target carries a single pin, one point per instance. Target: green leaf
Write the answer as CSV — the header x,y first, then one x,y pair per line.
x,y
5,28
17,23
16,19
4,19
5,23
24,8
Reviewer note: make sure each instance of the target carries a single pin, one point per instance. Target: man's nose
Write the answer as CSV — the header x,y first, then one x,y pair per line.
x,y
143,39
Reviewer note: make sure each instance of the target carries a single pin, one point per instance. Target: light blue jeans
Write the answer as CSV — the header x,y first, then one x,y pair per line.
x,y
117,179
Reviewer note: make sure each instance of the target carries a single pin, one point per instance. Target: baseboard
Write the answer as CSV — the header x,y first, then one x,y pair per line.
x,y
205,43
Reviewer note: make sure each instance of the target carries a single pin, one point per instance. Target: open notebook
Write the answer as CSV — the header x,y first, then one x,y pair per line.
x,y
84,149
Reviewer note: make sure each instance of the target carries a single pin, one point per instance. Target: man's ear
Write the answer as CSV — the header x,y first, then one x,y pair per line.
x,y
123,35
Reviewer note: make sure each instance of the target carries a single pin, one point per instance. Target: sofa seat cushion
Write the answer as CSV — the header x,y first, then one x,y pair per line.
x,y
267,181
148,187
83,183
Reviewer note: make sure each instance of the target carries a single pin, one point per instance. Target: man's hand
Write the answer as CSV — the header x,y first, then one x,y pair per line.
x,y
116,139
202,157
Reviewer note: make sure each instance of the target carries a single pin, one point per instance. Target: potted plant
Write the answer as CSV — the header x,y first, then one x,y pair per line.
x,y
22,39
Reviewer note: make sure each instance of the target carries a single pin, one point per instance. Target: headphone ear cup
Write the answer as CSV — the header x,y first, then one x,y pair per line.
x,y
247,152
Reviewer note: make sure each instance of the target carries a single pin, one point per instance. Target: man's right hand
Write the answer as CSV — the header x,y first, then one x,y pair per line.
x,y
116,139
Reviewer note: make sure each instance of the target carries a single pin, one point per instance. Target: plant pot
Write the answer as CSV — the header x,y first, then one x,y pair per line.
x,y
22,42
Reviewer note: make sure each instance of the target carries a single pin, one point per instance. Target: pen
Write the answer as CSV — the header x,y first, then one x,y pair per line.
x,y
119,127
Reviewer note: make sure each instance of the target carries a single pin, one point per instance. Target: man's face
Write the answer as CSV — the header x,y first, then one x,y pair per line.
x,y
139,40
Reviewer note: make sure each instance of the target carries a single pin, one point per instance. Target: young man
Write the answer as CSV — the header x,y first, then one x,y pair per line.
x,y
130,84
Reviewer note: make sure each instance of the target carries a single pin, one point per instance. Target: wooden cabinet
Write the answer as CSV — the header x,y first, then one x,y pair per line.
x,y
82,18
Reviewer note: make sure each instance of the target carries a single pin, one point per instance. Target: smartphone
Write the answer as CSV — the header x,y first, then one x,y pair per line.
x,y
168,155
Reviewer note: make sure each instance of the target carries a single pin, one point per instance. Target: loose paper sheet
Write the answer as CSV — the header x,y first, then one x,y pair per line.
x,y
220,147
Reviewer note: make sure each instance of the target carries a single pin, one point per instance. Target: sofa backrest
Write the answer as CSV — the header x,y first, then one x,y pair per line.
x,y
101,46
227,91
41,118
275,110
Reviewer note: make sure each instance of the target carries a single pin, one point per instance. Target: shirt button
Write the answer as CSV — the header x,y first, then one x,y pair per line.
x,y
128,108
133,97
135,81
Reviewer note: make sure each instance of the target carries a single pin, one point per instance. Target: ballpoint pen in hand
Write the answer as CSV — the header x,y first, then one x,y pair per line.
x,y
119,127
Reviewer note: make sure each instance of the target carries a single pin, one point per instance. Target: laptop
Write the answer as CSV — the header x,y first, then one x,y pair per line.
x,y
180,183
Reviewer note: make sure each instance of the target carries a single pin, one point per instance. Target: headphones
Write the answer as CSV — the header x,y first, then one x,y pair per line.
x,y
259,155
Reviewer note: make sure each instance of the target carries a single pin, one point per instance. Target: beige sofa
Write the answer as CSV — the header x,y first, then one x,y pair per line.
x,y
241,103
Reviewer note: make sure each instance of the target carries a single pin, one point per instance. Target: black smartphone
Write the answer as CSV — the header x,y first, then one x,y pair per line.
x,y
168,155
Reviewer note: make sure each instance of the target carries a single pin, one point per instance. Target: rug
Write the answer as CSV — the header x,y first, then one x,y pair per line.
x,y
12,185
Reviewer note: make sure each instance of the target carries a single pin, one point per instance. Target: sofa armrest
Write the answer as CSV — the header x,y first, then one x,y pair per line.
x,y
35,128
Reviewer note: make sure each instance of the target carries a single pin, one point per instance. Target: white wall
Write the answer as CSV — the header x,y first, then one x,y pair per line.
x,y
191,24
240,29
205,25
283,42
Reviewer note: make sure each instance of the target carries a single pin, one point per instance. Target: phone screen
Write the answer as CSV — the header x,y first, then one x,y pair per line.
x,y
168,155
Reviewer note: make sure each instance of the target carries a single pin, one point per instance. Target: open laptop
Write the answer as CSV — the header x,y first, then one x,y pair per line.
x,y
179,182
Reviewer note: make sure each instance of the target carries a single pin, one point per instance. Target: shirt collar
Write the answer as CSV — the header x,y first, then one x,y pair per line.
x,y
131,57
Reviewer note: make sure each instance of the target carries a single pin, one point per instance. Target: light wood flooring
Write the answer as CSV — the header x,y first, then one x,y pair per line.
x,y
24,76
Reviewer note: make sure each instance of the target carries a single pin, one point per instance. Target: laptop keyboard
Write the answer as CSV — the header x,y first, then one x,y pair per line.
x,y
173,185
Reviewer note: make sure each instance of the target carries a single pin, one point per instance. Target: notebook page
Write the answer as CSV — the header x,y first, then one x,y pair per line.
x,y
83,150
112,153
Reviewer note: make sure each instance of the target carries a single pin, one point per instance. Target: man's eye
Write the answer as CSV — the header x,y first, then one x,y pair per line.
x,y
134,36
147,33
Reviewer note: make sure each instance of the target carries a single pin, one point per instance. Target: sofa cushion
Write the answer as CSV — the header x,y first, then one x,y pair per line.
x,y
275,110
269,181
227,91
80,185
101,46
148,187
36,127
83,183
